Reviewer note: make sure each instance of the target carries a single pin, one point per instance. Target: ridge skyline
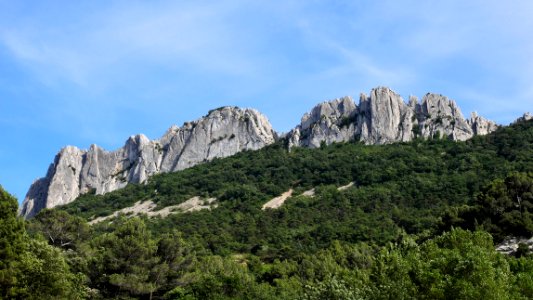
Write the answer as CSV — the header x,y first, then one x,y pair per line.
x,y
285,130
382,117
120,142
99,72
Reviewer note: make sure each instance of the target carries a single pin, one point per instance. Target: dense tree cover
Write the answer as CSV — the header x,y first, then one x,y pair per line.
x,y
504,207
60,228
127,260
12,243
393,235
30,268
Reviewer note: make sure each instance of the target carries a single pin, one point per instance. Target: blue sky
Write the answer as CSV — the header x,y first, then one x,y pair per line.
x,y
84,72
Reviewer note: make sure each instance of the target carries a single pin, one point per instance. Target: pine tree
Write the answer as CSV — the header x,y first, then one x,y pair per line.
x,y
29,268
13,244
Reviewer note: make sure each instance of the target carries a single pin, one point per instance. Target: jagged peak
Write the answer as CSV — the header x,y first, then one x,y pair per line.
x,y
385,117
382,89
139,139
413,101
222,108
330,111
223,132
229,111
70,149
431,98
338,104
382,95
525,117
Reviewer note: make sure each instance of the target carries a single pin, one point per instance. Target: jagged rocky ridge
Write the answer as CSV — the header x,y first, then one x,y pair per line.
x,y
383,117
223,132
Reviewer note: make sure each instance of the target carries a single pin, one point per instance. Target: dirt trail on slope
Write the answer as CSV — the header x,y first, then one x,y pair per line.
x,y
278,201
309,193
147,207
345,187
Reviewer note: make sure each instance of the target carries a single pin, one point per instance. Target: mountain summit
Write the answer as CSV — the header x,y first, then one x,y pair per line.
x,y
223,132
381,118
384,117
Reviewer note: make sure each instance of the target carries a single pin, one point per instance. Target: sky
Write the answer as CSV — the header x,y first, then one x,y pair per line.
x,y
96,72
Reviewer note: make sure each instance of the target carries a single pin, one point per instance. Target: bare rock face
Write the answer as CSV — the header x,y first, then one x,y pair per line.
x,y
524,118
384,117
480,125
511,244
327,122
223,132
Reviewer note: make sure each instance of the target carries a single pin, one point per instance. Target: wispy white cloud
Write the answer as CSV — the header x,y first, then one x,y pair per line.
x,y
198,36
47,59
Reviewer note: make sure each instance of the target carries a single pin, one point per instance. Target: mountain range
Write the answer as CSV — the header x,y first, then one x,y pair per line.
x,y
382,117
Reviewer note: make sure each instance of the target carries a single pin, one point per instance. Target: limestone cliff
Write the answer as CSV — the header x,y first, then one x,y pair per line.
x,y
384,117
381,118
223,132
327,122
526,117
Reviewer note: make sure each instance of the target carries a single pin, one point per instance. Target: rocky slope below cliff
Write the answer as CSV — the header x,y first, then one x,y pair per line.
x,y
223,132
384,117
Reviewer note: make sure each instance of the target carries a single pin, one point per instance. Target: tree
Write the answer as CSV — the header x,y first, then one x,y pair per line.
x,y
456,265
129,262
463,265
47,274
174,259
29,268
221,278
60,228
13,243
124,259
505,207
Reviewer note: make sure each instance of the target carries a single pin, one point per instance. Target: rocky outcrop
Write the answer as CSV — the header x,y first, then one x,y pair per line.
x,y
384,117
381,118
480,125
327,122
526,117
223,132
511,245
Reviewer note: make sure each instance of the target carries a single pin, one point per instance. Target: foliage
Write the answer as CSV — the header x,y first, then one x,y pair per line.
x,y
129,262
30,268
13,243
47,274
60,228
504,207
456,265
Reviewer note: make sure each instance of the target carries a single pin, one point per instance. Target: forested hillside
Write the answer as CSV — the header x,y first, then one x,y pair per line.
x,y
419,221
